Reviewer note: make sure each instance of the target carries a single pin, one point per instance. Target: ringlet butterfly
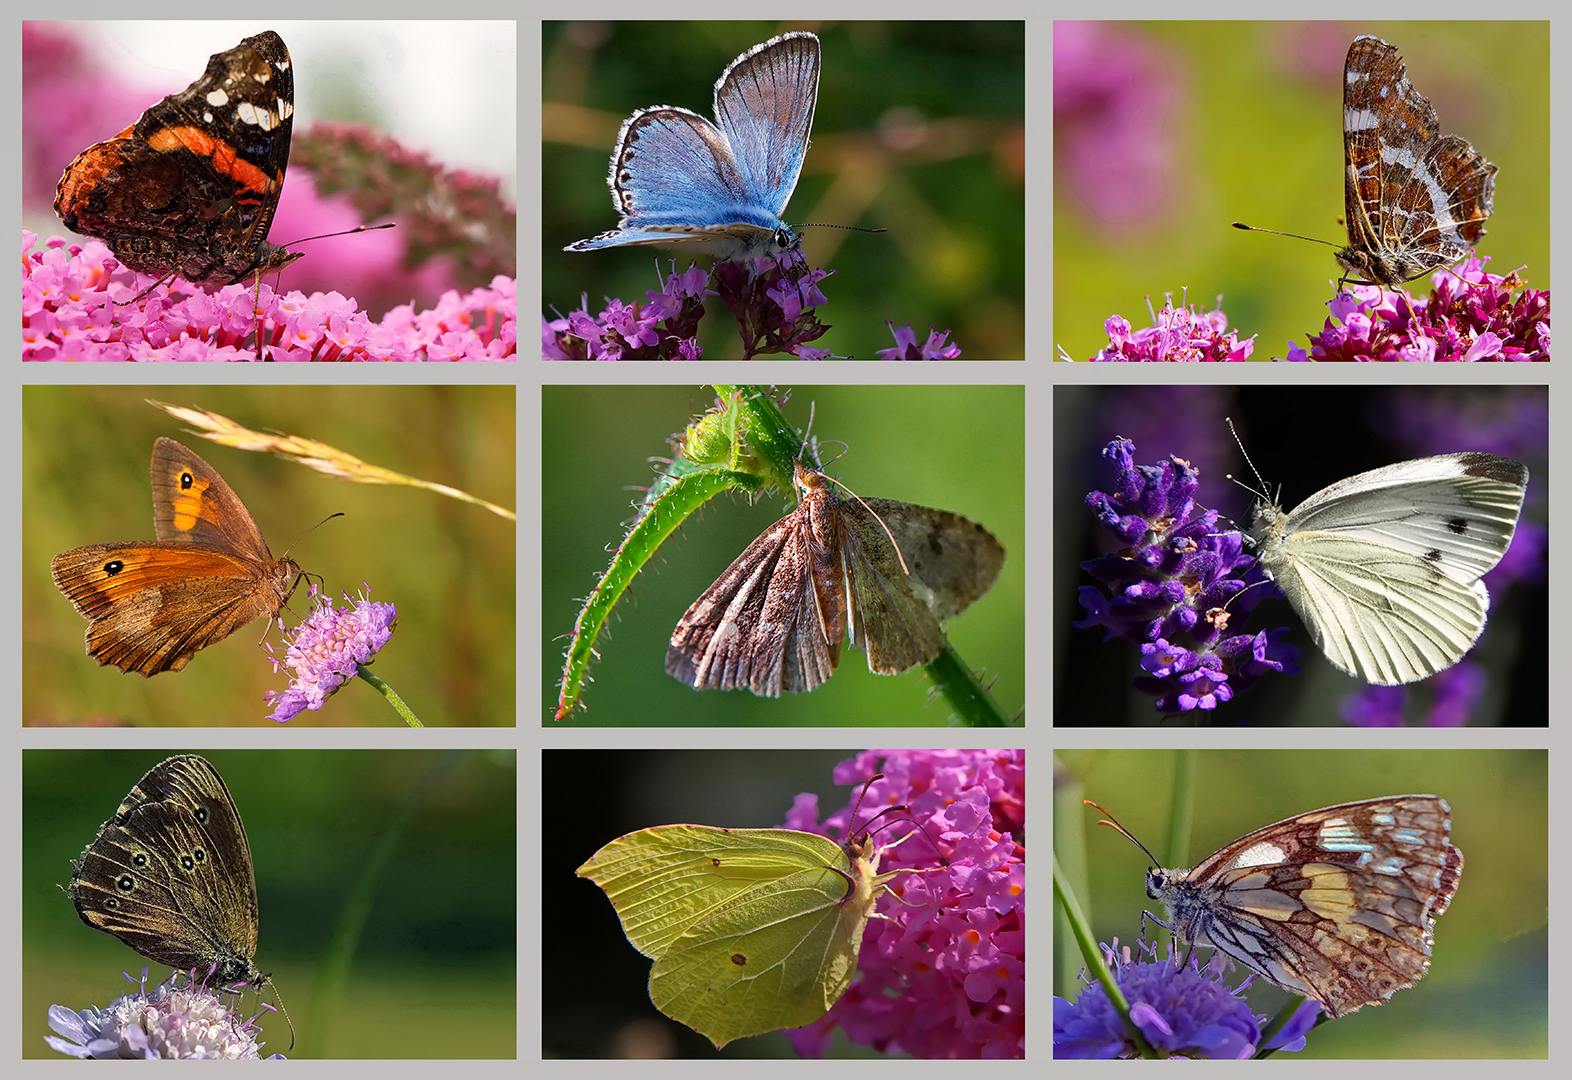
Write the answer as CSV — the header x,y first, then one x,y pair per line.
x,y
152,606
170,875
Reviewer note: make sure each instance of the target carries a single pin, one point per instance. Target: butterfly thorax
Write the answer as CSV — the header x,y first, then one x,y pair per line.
x,y
830,587
1267,527
1186,903
1389,267
282,578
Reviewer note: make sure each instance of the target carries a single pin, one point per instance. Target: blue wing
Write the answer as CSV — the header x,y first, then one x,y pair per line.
x,y
678,179
764,103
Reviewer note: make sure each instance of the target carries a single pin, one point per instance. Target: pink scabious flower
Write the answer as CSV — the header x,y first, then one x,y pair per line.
x,y
1469,317
327,651
169,1021
942,971
80,304
1177,336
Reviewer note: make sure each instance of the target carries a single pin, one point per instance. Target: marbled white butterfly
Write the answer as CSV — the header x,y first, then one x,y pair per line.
x,y
1338,904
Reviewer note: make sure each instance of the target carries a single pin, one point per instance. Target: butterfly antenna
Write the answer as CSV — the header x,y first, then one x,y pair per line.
x,y
1113,824
851,826
807,440
311,530
346,232
1258,493
851,228
1275,232
904,568
269,980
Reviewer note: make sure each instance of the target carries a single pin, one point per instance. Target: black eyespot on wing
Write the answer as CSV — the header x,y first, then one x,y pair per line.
x,y
1433,555
1457,526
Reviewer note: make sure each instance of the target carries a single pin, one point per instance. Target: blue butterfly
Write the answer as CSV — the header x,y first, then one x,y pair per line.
x,y
676,178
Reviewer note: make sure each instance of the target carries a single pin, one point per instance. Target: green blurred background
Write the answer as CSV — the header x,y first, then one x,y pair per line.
x,y
957,448
595,998
434,975
449,567
1245,124
920,129
1302,438
1486,993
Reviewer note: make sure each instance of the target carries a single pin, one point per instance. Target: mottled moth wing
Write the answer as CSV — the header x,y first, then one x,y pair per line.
x,y
760,626
952,559
774,620
895,614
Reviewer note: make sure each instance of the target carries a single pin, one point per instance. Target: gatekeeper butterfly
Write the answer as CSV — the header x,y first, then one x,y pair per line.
x,y
153,606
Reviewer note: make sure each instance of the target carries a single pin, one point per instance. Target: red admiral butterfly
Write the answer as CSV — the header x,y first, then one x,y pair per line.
x,y
1414,199
191,188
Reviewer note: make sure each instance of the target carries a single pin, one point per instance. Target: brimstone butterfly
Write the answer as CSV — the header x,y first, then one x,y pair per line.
x,y
751,930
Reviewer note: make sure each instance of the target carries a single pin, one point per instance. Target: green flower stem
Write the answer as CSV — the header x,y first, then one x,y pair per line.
x,y
1082,931
970,700
392,696
682,490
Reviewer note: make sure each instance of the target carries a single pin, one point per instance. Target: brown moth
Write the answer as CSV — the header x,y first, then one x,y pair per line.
x,y
775,619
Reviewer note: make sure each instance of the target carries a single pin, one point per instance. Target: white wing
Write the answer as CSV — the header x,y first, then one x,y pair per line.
x,y
1457,511
1384,567
1378,613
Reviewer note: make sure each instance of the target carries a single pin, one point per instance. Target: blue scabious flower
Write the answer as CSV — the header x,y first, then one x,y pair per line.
x,y
1182,1010
167,1021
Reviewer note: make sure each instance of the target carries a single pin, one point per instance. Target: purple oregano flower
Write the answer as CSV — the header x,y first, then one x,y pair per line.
x,y
772,298
1469,317
1179,335
1174,584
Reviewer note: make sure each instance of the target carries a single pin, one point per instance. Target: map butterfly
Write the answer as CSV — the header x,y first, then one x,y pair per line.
x,y
1338,905
1414,199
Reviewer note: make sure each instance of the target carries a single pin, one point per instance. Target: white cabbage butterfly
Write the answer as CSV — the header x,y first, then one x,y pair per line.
x,y
1384,567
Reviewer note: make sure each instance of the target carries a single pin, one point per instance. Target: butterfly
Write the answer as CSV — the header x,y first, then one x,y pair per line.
x,y
751,930
153,605
1384,567
774,620
676,178
1414,199
1338,905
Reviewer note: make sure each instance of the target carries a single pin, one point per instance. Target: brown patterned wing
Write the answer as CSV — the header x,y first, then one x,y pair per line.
x,y
171,876
1338,904
1413,199
763,625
